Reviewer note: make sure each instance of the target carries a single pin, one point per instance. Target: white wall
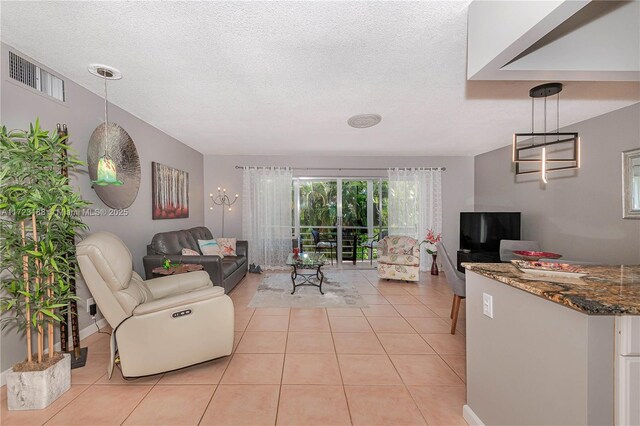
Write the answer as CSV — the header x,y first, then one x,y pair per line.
x,y
578,213
82,112
457,183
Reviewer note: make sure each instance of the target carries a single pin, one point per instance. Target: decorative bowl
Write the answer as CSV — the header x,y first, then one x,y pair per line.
x,y
536,255
549,268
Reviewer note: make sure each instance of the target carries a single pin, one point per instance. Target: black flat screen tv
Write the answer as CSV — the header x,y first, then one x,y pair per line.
x,y
482,231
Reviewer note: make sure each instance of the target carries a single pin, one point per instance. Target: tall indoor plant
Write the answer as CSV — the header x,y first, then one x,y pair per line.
x,y
39,221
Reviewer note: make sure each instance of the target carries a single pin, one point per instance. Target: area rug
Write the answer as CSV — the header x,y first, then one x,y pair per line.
x,y
275,292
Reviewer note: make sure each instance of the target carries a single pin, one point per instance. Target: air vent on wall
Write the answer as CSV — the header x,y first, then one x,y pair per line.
x,y
33,76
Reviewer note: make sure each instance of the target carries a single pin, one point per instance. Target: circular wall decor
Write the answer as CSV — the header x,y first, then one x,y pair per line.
x,y
123,153
363,121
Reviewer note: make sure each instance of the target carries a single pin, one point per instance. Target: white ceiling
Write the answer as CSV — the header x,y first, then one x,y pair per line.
x,y
283,78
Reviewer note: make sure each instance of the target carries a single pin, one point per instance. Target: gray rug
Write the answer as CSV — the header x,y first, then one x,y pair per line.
x,y
275,292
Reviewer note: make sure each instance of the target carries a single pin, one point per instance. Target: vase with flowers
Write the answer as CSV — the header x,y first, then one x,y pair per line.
x,y
431,239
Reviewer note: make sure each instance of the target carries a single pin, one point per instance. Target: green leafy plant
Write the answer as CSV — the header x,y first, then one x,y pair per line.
x,y
39,221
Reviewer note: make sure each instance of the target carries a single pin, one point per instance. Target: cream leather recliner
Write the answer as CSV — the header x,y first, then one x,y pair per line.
x,y
160,324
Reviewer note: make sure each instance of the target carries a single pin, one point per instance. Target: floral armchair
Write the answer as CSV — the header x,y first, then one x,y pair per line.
x,y
399,258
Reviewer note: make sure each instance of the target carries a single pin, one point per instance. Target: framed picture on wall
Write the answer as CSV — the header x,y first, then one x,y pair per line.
x,y
170,189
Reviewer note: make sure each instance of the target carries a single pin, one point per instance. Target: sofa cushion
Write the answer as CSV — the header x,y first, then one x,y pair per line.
x,y
399,259
173,242
400,244
210,248
228,246
189,252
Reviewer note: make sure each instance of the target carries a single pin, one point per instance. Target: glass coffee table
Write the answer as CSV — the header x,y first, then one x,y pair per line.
x,y
307,267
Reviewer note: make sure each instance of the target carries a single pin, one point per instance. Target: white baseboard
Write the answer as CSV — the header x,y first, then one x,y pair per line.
x,y
84,333
471,417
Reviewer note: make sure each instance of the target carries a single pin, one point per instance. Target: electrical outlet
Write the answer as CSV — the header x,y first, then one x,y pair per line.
x,y
90,302
487,305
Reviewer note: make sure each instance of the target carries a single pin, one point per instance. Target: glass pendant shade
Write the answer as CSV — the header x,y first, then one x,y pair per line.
x,y
107,173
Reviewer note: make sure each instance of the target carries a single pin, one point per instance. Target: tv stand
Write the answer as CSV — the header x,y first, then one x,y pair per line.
x,y
477,257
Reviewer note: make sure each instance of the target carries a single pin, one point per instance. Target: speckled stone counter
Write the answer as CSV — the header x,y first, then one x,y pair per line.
x,y
606,290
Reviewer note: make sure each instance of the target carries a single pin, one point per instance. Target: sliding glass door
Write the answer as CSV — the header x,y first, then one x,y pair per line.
x,y
340,216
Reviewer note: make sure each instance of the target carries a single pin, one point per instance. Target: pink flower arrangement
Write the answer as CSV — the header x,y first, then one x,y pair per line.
x,y
431,239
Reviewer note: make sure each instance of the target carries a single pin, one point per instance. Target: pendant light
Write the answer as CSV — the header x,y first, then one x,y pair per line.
x,y
549,145
107,173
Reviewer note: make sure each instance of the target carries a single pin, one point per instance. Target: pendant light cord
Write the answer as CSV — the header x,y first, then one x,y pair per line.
x,y
106,117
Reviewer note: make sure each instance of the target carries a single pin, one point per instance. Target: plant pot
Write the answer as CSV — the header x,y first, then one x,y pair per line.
x,y
35,390
434,265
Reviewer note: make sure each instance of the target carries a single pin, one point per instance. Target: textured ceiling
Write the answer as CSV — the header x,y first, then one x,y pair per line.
x,y
283,78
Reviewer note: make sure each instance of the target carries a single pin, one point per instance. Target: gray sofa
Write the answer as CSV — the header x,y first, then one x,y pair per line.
x,y
226,272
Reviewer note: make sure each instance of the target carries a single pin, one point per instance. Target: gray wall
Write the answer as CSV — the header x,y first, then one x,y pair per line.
x,y
82,112
578,213
457,183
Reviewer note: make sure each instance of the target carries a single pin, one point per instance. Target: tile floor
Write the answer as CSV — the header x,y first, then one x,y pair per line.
x,y
391,363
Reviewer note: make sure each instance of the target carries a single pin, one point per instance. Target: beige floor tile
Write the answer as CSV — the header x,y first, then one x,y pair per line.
x,y
313,405
117,379
96,367
37,417
404,343
344,312
391,290
382,405
258,369
357,343
243,405
390,325
207,373
380,311
446,344
402,300
311,369
241,322
424,370
317,324
440,405
101,405
304,342
98,343
458,364
172,405
367,370
316,313
409,311
243,310
237,335
262,342
374,299
269,323
430,325
271,311
349,325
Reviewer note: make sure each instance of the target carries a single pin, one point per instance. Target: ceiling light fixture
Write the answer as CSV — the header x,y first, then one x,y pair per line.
x,y
107,172
545,147
362,121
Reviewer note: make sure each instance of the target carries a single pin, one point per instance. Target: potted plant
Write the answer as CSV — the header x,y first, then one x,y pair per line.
x,y
39,219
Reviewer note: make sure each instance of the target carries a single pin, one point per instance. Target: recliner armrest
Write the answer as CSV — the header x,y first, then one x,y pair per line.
x,y
176,284
178,301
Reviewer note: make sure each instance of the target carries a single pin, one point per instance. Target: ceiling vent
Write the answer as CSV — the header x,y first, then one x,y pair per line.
x,y
35,77
362,121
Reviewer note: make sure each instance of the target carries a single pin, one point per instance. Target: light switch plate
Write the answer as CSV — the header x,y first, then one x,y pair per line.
x,y
487,305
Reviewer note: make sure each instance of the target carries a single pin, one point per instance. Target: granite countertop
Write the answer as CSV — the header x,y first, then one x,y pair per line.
x,y
606,290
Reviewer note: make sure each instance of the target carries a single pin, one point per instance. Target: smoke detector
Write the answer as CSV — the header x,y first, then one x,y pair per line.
x,y
105,71
362,121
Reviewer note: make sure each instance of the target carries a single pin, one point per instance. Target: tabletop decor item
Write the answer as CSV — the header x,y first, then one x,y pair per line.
x,y
170,192
552,269
431,239
536,255
38,229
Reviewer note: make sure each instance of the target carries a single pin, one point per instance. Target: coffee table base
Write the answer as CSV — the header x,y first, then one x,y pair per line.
x,y
307,279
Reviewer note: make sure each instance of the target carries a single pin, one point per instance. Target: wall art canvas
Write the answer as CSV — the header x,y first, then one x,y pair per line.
x,y
170,192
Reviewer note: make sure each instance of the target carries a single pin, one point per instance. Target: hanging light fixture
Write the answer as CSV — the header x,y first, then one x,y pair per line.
x,y
107,173
548,149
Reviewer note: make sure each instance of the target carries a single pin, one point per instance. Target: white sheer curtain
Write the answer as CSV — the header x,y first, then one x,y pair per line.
x,y
267,198
415,204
